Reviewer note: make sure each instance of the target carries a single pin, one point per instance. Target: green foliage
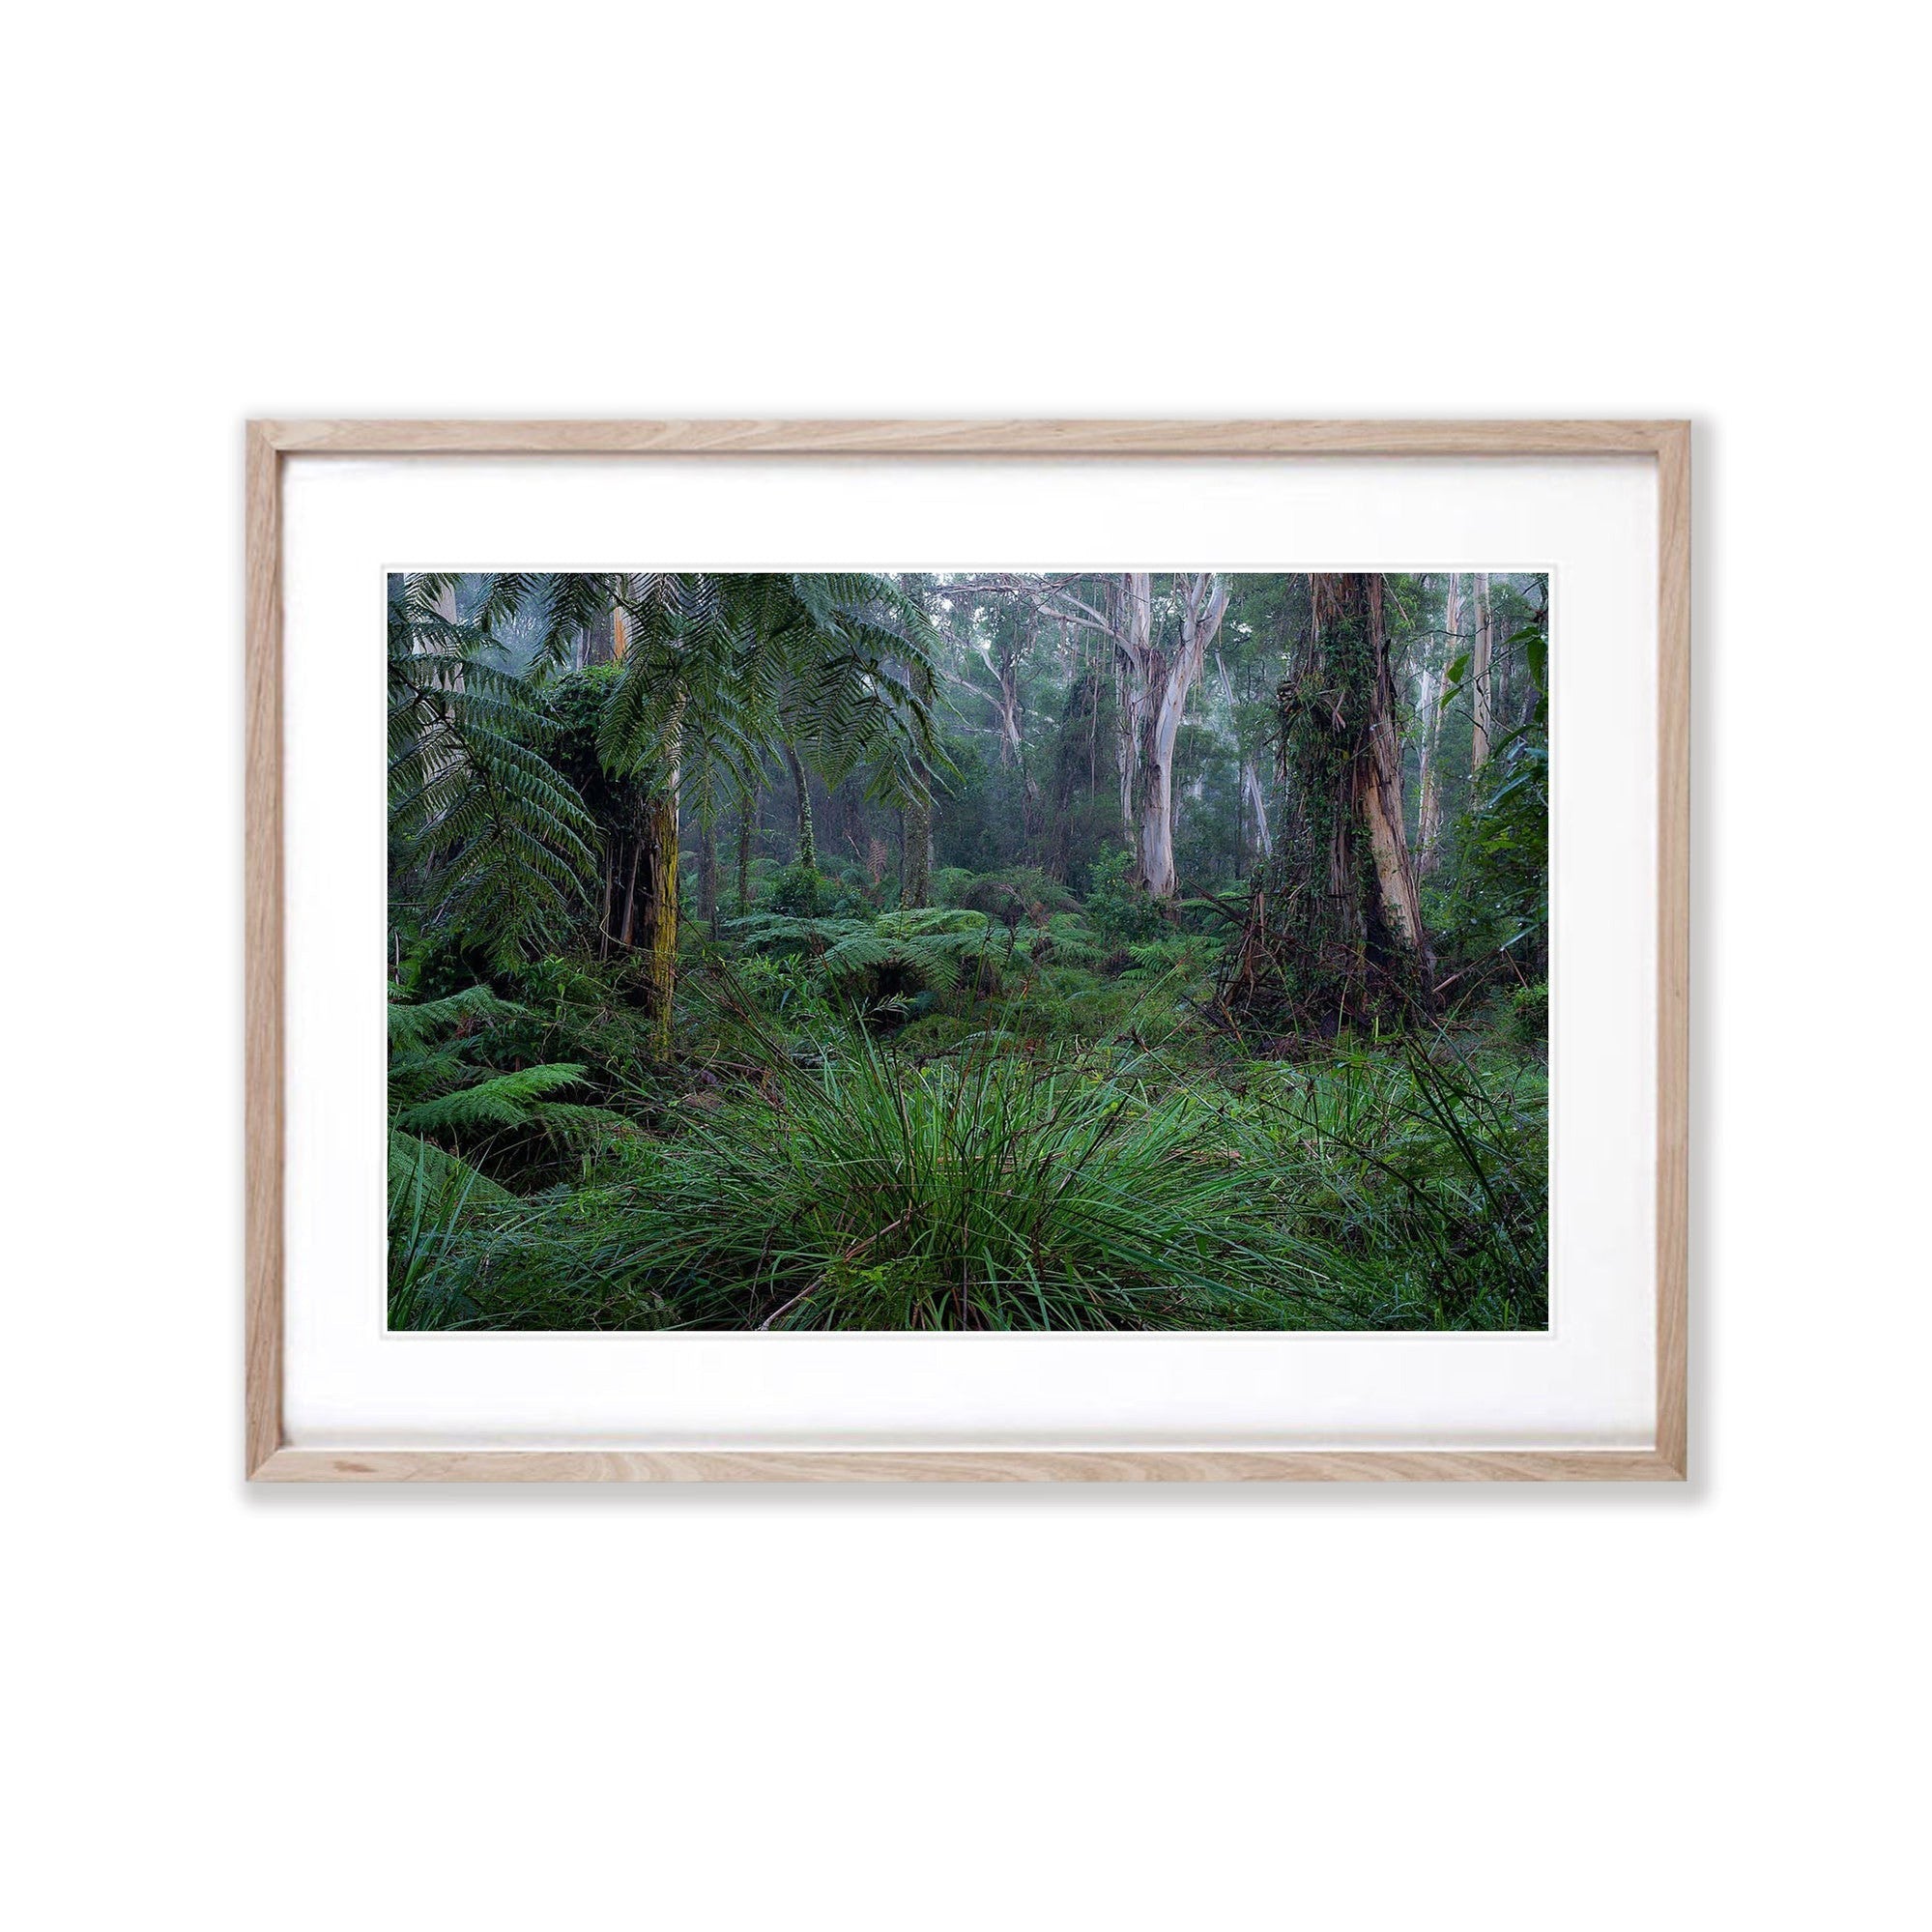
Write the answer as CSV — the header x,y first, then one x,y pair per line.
x,y
872,960
1027,1103
491,847
1428,1169
460,1122
835,664
1499,897
797,888
980,1187
411,1025
983,1193
494,848
1118,911
1528,1022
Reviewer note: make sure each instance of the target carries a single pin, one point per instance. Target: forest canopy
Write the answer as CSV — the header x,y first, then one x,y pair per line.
x,y
972,950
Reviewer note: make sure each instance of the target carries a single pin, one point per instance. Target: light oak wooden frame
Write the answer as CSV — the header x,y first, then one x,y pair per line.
x,y
269,1459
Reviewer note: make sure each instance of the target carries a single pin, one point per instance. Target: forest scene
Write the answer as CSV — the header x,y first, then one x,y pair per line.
x,y
969,951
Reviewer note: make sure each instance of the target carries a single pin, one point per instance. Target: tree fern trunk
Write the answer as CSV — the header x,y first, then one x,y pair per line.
x,y
917,885
807,854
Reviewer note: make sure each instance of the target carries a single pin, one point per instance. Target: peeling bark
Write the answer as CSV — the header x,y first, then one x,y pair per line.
x,y
1154,689
1335,934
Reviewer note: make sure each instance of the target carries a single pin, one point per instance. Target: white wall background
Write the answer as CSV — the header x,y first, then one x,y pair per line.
x,y
963,1709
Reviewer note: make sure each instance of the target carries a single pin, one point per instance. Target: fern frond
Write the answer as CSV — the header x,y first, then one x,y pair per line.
x,y
411,1025
504,1100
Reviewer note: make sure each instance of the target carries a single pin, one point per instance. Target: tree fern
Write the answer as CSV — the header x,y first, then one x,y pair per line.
x,y
496,841
716,670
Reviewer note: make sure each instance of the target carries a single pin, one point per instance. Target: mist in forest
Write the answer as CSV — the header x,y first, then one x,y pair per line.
x,y
974,950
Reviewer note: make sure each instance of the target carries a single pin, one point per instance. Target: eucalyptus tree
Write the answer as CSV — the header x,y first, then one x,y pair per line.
x,y
1337,932
1159,658
1349,694
1160,645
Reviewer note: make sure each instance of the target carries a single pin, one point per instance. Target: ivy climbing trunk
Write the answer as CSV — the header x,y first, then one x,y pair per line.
x,y
1338,936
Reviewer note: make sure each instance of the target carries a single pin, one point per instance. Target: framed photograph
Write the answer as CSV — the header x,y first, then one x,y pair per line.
x,y
968,951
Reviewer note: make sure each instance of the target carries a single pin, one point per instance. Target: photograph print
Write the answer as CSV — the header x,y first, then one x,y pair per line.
x,y
969,951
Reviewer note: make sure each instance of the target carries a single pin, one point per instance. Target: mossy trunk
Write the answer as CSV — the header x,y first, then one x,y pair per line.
x,y
915,864
650,911
642,919
807,852
1337,934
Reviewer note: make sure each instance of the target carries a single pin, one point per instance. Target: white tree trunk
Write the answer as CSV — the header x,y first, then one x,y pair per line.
x,y
1204,601
1131,620
1153,693
1250,779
